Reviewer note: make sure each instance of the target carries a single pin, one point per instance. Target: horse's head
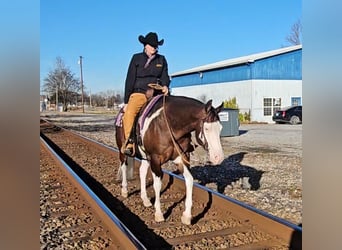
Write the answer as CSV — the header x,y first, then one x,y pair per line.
x,y
208,133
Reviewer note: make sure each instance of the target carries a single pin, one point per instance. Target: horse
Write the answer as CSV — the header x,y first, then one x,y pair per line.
x,y
164,134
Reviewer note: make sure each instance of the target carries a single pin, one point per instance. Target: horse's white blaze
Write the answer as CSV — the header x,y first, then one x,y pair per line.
x,y
212,132
142,173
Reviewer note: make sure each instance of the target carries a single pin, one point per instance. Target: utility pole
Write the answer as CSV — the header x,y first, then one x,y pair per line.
x,y
90,98
82,83
56,108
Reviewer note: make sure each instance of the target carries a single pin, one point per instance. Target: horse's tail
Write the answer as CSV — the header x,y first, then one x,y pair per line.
x,y
119,132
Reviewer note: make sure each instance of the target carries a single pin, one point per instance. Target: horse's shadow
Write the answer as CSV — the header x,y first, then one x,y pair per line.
x,y
229,172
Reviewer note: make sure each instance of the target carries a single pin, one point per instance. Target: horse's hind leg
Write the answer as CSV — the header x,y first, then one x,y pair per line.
x,y
143,173
124,190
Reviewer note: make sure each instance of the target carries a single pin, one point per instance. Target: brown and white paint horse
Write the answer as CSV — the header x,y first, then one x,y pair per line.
x,y
166,135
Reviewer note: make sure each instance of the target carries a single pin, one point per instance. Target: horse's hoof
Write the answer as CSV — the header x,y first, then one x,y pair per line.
x,y
124,193
159,217
147,203
186,220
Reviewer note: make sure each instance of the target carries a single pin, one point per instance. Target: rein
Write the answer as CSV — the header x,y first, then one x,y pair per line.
x,y
178,149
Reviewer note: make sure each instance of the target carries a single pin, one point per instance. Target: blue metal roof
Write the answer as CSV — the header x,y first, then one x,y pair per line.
x,y
284,63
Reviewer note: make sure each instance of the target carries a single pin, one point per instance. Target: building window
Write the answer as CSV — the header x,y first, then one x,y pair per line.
x,y
267,106
295,101
271,105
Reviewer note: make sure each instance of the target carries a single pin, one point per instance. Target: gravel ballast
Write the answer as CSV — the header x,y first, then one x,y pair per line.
x,y
262,166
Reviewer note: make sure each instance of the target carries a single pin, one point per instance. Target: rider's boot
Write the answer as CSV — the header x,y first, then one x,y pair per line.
x,y
128,148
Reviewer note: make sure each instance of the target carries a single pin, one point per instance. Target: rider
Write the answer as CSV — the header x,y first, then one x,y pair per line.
x,y
144,68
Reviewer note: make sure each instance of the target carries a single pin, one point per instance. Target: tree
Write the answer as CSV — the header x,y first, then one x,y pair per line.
x,y
294,38
232,103
108,99
62,83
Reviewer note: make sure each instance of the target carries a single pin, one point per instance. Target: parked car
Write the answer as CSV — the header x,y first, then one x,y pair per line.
x,y
292,115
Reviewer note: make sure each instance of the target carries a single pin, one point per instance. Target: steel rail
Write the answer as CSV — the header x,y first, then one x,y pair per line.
x,y
119,230
289,232
285,230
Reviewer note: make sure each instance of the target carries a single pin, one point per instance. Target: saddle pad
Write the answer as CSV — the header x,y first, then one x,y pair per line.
x,y
118,120
147,110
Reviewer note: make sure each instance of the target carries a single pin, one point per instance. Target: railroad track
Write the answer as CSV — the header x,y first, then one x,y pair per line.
x,y
71,214
218,221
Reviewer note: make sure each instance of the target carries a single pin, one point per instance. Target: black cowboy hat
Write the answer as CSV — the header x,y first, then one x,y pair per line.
x,y
151,39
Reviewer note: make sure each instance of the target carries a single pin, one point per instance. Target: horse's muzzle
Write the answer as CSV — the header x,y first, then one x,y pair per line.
x,y
216,158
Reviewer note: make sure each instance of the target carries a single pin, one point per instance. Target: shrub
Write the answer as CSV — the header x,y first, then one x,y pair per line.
x,y
231,103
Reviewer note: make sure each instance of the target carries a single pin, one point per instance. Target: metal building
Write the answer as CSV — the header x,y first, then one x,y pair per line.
x,y
261,83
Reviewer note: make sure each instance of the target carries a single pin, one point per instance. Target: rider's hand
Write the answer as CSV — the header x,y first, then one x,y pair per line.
x,y
165,90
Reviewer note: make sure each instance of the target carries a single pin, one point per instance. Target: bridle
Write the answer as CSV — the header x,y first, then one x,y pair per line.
x,y
200,136
203,142
176,145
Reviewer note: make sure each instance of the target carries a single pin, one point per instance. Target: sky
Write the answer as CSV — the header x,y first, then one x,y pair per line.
x,y
195,32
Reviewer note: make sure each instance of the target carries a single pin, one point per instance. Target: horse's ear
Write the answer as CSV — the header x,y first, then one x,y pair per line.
x,y
208,105
219,108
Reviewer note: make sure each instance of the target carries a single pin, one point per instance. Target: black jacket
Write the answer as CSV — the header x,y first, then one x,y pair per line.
x,y
138,77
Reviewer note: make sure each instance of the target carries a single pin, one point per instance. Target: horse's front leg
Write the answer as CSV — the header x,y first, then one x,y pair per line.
x,y
186,217
157,183
189,181
143,173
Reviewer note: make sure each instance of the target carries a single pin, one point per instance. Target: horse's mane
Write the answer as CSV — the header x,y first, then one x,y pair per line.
x,y
181,104
182,109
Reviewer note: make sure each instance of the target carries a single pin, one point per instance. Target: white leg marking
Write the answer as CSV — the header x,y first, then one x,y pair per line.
x,y
158,215
189,180
143,173
119,174
124,191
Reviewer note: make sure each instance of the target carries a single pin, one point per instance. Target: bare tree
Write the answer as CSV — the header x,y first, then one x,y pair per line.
x,y
118,99
62,81
98,100
294,38
108,99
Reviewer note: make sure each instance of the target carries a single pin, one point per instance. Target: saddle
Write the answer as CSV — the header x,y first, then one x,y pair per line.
x,y
135,136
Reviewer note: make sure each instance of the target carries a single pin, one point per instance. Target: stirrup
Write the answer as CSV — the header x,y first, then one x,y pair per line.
x,y
129,150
